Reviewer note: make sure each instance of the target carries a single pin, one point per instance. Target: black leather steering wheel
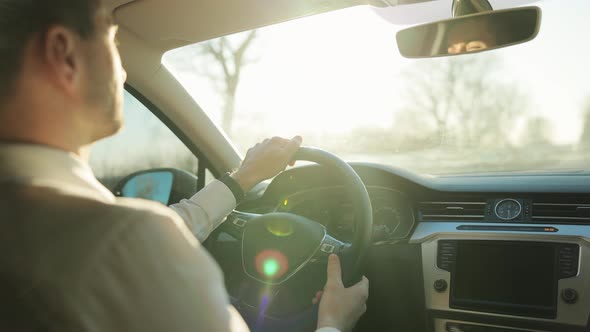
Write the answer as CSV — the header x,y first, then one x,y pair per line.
x,y
277,247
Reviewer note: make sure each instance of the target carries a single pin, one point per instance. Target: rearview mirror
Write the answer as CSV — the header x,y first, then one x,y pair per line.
x,y
164,185
471,33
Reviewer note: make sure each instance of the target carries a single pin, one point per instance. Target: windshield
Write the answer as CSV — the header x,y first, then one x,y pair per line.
x,y
338,80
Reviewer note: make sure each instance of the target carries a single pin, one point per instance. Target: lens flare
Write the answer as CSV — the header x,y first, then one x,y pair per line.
x,y
264,301
270,267
271,264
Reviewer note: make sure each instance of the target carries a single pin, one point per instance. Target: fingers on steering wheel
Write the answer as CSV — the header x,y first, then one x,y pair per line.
x,y
292,145
278,141
334,272
317,298
362,288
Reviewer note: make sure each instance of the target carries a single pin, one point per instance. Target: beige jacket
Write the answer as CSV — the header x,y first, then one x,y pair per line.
x,y
75,258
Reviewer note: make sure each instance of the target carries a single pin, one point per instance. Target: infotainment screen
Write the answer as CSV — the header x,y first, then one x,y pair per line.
x,y
516,278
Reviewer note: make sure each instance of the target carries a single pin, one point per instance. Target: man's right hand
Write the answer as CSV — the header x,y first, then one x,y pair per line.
x,y
341,307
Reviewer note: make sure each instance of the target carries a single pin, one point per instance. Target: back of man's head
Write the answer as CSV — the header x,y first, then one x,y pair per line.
x,y
20,20
61,78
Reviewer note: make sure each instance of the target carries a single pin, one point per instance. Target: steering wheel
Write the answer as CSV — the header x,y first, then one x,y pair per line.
x,y
278,249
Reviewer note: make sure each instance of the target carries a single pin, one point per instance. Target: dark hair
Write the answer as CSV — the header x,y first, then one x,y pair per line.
x,y
21,19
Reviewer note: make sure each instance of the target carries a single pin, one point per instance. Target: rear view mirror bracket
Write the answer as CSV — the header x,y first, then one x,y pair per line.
x,y
469,7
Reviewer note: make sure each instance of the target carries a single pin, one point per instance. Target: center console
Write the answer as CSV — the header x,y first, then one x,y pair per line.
x,y
515,282
507,277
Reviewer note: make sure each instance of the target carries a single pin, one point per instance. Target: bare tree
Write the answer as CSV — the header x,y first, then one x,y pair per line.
x,y
231,57
537,131
227,57
463,99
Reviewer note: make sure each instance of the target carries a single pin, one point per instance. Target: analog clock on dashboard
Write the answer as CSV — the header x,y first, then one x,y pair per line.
x,y
508,209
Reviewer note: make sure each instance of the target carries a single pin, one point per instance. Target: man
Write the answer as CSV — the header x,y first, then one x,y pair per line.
x,y
471,35
72,256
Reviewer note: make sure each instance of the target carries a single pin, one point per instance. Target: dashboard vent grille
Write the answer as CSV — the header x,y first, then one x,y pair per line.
x,y
452,211
563,211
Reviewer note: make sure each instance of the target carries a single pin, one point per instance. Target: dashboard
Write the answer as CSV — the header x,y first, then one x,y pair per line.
x,y
482,252
393,215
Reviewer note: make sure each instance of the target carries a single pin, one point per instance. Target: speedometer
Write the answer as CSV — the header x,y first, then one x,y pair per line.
x,y
508,209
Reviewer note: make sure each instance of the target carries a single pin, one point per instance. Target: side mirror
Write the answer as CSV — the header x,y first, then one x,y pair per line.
x,y
164,185
471,33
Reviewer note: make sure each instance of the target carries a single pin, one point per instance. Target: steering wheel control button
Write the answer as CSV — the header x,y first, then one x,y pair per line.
x,y
569,296
440,285
327,248
239,222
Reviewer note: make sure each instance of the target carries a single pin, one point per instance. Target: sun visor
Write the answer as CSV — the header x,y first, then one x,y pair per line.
x,y
172,23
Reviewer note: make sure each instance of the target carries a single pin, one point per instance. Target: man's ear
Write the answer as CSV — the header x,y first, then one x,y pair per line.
x,y
62,54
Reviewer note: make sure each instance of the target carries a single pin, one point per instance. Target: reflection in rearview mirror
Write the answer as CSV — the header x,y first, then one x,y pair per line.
x,y
471,33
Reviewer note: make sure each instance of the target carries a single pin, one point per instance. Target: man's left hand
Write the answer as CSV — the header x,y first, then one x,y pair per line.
x,y
265,160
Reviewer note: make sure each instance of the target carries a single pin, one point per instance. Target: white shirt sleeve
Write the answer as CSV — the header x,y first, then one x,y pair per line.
x,y
328,329
203,212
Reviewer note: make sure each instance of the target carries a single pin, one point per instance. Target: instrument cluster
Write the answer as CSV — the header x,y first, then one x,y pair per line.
x,y
393,216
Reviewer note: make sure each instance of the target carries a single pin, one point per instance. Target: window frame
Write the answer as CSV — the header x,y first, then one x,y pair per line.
x,y
204,163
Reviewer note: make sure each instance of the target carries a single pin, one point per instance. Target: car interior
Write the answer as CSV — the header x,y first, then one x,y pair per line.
x,y
479,247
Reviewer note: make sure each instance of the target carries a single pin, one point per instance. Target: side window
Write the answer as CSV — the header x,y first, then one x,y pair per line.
x,y
143,143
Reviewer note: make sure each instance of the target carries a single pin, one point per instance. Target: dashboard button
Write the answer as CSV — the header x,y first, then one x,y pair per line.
x,y
440,285
239,222
569,296
327,248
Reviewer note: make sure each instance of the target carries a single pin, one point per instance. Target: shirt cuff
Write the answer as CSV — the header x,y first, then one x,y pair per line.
x,y
217,200
204,211
234,186
328,329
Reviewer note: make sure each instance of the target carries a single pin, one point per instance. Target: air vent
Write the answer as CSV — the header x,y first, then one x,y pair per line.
x,y
452,211
562,211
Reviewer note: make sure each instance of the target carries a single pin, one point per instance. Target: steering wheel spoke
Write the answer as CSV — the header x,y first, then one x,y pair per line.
x,y
329,245
236,223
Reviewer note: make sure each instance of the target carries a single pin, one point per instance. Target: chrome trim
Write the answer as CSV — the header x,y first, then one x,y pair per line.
x,y
424,216
452,207
428,235
564,204
455,203
426,231
558,218
507,200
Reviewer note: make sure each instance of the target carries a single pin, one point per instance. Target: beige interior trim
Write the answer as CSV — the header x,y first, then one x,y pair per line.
x,y
173,23
148,76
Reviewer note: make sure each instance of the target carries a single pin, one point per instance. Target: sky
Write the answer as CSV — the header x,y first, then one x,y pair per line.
x,y
339,70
